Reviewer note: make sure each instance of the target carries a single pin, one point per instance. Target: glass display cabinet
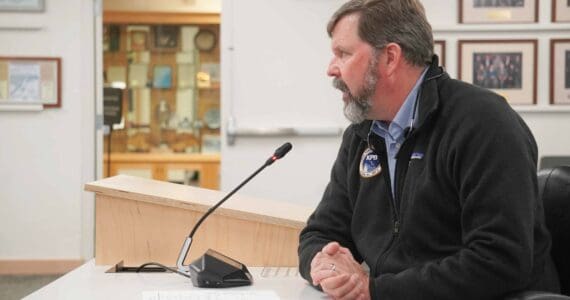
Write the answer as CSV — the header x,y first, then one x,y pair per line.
x,y
168,68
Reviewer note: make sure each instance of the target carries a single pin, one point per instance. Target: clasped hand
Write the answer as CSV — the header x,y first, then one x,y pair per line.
x,y
339,275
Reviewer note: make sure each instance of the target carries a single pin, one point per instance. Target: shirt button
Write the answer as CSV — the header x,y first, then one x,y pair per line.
x,y
398,145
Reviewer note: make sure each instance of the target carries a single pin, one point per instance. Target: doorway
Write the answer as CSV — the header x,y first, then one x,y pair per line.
x,y
161,78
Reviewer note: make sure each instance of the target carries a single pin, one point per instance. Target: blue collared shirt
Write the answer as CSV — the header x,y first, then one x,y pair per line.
x,y
394,133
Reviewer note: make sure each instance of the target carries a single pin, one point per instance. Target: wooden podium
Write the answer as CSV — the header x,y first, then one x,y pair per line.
x,y
141,220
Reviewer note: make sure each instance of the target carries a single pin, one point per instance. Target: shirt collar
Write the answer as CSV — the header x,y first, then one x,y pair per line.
x,y
404,116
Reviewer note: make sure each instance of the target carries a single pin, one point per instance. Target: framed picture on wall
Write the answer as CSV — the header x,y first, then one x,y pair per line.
x,y
560,71
560,11
138,37
506,67
22,5
439,50
30,80
498,11
165,38
162,77
111,37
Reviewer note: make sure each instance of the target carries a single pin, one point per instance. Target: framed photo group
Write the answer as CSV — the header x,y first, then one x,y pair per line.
x,y
509,67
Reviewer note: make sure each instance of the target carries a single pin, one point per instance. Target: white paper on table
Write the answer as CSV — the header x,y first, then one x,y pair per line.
x,y
210,295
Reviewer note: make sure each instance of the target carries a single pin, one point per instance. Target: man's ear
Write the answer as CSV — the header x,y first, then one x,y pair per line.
x,y
393,57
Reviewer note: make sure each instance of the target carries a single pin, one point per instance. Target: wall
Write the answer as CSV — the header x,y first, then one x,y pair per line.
x,y
47,156
546,122
274,57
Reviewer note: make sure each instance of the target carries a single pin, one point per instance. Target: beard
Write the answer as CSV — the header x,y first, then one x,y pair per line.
x,y
358,105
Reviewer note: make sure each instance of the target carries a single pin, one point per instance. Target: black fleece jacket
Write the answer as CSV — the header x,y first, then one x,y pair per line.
x,y
466,221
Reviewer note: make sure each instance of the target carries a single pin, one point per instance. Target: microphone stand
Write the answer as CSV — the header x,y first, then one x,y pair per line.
x,y
185,270
188,242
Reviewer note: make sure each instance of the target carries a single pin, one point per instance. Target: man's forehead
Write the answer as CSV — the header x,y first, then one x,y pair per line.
x,y
346,22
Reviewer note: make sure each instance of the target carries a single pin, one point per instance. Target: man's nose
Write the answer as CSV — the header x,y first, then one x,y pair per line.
x,y
333,70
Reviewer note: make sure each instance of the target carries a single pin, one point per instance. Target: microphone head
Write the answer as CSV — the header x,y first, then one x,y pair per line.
x,y
281,151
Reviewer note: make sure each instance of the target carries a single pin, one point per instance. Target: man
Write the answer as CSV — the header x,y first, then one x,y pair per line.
x,y
434,187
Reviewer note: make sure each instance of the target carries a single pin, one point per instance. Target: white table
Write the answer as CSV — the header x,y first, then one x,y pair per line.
x,y
91,282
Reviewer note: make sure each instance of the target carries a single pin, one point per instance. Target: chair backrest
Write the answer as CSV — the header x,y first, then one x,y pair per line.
x,y
554,188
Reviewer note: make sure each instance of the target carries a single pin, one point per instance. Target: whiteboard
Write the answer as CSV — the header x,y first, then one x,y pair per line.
x,y
274,60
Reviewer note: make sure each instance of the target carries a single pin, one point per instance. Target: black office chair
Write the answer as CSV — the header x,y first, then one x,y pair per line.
x,y
554,188
554,185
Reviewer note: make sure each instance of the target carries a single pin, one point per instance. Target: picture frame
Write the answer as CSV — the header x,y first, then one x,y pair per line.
x,y
439,50
508,67
162,77
165,38
111,37
498,11
138,40
560,11
22,5
560,71
30,80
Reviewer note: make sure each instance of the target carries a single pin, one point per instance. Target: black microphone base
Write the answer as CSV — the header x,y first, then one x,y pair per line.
x,y
215,270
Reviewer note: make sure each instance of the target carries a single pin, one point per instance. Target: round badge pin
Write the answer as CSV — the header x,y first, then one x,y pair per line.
x,y
369,164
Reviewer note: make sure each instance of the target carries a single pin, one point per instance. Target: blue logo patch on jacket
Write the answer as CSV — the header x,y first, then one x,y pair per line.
x,y
417,155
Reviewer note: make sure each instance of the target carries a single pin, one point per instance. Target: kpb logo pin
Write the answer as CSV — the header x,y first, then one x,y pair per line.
x,y
369,164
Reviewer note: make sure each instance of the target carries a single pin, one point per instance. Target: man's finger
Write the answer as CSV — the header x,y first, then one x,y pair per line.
x,y
332,283
320,274
351,290
331,248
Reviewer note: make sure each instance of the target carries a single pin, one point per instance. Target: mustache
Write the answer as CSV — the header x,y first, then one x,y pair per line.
x,y
340,85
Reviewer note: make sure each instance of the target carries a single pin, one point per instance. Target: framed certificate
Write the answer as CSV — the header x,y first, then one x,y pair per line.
x,y
498,11
22,5
30,80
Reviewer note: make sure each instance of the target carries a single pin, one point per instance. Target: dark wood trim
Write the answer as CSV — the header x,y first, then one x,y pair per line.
x,y
443,46
460,12
536,6
535,79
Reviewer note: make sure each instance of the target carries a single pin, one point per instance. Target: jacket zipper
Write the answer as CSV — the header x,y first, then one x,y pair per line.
x,y
396,218
395,232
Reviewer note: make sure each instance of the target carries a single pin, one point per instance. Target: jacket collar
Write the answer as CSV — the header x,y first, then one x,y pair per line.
x,y
428,101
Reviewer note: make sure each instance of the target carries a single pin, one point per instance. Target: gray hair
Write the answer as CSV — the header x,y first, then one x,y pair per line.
x,y
391,21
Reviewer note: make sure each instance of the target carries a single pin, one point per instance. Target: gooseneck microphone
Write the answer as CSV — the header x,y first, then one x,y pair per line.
x,y
279,153
222,264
